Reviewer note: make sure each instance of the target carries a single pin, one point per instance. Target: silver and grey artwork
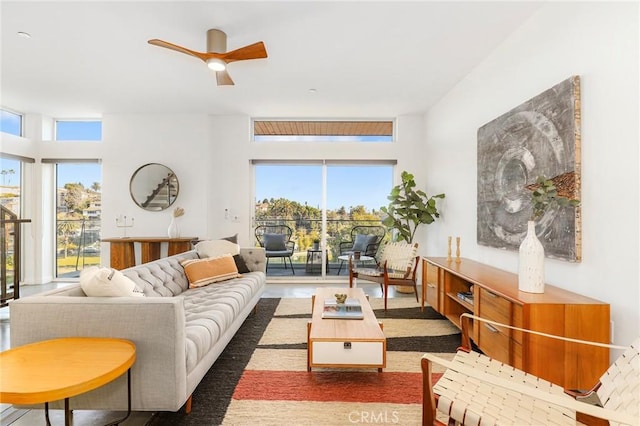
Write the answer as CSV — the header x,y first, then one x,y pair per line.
x,y
540,137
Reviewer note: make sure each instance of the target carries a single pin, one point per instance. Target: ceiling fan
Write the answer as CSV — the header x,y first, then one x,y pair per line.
x,y
216,57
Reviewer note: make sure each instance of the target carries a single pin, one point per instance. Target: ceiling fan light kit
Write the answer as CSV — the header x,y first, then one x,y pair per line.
x,y
216,57
216,64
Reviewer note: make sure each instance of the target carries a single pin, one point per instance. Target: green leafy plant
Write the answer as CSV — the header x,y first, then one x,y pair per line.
x,y
545,195
409,208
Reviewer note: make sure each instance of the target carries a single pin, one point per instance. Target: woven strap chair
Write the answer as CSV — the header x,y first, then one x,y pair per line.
x,y
397,264
477,390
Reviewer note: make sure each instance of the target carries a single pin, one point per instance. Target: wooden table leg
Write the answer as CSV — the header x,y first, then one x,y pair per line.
x,y
122,255
149,251
177,247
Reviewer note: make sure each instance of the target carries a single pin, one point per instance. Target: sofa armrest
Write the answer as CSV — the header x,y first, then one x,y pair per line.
x,y
156,325
255,258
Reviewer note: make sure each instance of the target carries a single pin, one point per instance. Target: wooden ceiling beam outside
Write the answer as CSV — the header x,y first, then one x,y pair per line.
x,y
322,128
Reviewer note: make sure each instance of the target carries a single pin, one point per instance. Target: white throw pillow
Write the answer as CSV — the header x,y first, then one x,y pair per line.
x,y
106,282
216,248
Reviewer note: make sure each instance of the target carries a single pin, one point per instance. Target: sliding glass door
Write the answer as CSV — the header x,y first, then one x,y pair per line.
x,y
321,202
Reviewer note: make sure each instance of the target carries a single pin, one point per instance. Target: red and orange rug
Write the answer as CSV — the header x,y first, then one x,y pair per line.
x,y
273,386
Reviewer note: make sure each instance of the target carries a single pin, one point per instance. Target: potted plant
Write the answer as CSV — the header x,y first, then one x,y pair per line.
x,y
409,208
316,243
544,195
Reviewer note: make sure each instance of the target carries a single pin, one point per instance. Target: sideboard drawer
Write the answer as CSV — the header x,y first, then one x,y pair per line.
x,y
494,341
430,281
432,295
494,307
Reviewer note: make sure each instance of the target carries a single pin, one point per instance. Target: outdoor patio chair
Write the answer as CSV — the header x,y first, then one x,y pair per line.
x,y
477,390
364,238
276,241
396,264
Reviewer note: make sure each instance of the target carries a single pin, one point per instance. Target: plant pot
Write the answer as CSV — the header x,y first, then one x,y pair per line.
x,y
531,262
316,246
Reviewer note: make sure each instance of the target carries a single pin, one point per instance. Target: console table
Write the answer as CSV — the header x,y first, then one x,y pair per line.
x,y
494,295
123,250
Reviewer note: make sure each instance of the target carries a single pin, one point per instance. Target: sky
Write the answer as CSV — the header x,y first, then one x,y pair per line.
x,y
347,186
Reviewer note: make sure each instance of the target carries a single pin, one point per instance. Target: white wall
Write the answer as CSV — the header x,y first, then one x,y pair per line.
x,y
211,155
181,142
234,151
599,42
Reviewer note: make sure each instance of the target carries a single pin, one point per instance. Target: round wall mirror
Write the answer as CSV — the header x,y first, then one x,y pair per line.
x,y
154,187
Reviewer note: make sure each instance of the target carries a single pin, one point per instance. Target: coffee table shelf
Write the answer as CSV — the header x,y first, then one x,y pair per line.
x,y
345,343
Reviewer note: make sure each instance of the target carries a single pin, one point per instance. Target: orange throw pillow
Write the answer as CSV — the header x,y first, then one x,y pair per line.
x,y
201,272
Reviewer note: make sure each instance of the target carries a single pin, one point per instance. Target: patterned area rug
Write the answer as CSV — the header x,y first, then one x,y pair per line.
x,y
261,377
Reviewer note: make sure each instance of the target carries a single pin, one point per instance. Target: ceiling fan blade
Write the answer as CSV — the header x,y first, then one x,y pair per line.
x,y
252,51
166,44
223,78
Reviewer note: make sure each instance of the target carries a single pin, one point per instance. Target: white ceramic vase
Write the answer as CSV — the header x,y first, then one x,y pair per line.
x,y
531,262
174,229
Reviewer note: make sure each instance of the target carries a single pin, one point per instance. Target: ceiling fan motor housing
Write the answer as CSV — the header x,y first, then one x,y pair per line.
x,y
216,41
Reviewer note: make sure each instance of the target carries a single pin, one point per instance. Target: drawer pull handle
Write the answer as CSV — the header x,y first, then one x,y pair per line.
x,y
347,345
491,294
491,328
431,285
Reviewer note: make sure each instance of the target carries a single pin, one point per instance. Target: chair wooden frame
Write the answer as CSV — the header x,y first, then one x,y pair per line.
x,y
515,385
285,230
386,276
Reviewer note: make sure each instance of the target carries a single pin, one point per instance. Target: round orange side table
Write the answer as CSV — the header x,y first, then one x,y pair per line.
x,y
62,368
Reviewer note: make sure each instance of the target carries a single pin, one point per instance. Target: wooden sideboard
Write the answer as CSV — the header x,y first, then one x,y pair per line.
x,y
122,250
556,311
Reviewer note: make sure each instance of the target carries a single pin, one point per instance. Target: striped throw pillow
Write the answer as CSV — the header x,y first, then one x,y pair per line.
x,y
201,272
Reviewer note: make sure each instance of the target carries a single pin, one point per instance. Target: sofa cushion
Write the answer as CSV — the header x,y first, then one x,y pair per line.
x,y
210,312
274,242
241,264
233,238
362,241
201,272
216,248
163,277
107,282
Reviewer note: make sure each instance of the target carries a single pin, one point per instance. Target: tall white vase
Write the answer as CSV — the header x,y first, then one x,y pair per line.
x,y
174,229
531,262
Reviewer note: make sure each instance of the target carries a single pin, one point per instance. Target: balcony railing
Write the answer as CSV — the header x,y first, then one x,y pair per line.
x,y
10,273
77,245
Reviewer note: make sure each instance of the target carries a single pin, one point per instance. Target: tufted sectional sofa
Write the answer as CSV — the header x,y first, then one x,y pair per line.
x,y
178,332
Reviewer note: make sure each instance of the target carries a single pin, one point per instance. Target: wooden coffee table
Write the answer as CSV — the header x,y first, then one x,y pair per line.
x,y
61,368
345,343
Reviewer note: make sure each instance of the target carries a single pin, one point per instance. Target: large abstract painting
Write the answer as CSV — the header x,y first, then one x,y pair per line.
x,y
540,137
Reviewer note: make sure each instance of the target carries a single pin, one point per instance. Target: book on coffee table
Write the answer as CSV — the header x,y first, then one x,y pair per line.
x,y
350,309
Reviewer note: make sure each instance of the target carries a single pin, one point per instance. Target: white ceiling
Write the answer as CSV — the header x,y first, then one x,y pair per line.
x,y
365,59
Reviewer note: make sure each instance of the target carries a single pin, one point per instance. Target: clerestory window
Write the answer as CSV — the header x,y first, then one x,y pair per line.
x,y
323,130
11,122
